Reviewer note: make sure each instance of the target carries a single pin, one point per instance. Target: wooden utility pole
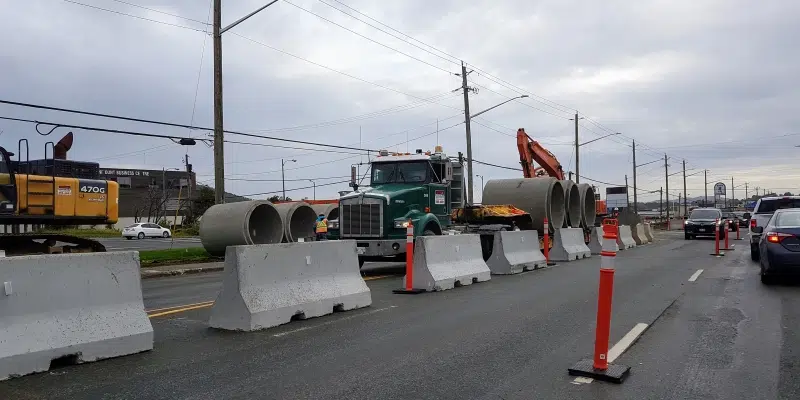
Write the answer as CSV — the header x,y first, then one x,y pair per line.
x,y
685,209
219,151
705,187
635,198
733,193
666,183
660,202
578,156
627,198
465,88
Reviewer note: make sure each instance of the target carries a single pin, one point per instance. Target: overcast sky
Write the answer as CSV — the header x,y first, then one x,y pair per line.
x,y
711,82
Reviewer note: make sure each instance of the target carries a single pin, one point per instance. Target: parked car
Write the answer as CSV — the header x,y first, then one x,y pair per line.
x,y
702,222
731,219
779,246
762,213
143,230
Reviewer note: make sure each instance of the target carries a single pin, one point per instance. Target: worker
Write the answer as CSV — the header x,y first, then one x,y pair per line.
x,y
615,214
321,227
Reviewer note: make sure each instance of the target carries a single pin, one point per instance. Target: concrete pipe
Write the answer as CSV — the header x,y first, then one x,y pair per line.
x,y
242,223
588,208
572,204
540,197
330,211
299,220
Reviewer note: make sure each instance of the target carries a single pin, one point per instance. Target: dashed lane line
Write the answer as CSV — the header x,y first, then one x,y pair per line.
x,y
695,275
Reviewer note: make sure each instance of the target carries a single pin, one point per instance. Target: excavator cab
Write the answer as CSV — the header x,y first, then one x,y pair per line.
x,y
8,184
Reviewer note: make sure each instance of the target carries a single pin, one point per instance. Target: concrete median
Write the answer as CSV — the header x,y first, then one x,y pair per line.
x,y
648,232
568,245
269,285
444,262
70,309
514,252
637,233
625,238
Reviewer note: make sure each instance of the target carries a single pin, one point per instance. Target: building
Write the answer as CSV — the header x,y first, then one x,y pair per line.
x,y
152,195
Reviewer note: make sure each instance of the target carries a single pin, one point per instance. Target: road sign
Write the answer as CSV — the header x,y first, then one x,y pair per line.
x,y
719,189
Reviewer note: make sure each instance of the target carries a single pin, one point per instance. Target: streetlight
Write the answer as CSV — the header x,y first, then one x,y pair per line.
x,y
315,187
283,179
469,137
480,176
219,153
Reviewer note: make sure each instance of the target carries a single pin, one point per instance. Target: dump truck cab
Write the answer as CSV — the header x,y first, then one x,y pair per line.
x,y
404,187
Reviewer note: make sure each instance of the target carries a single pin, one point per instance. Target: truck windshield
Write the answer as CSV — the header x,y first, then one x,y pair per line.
x,y
404,172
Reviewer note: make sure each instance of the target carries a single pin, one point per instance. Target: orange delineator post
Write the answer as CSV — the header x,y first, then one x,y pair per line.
x,y
546,242
410,256
716,240
605,294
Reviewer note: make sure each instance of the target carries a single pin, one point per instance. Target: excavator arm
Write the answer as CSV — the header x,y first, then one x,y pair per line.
x,y
530,151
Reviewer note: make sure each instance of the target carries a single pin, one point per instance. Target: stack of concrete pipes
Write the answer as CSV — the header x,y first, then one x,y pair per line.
x,y
259,222
562,202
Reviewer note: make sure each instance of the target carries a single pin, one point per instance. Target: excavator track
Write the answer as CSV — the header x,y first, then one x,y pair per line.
x,y
16,244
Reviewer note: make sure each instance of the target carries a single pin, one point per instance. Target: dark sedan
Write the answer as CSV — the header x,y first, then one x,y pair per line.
x,y
779,246
704,222
731,219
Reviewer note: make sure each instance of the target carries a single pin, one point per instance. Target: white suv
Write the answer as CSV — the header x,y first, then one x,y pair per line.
x,y
762,213
143,230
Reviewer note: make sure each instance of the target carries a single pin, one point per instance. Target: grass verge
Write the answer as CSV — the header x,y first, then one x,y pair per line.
x,y
151,258
101,233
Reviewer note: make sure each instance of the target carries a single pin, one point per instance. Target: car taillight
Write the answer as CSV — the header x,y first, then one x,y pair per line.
x,y
776,237
753,223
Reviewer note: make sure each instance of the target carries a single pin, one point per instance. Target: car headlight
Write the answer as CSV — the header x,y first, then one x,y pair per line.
x,y
687,222
400,224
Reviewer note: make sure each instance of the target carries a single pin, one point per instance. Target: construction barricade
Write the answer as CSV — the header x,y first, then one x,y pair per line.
x,y
70,308
514,252
648,232
637,233
625,238
444,262
269,285
569,245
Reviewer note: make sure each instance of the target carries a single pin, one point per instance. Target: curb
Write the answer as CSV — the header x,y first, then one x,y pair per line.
x,y
154,273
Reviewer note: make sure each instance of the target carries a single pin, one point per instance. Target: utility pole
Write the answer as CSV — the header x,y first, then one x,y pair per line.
x,y
733,193
570,175
283,178
678,205
577,153
705,187
660,202
466,89
188,177
314,183
635,198
219,151
627,198
745,192
666,191
685,209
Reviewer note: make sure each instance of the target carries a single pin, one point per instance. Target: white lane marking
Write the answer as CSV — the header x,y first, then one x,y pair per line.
x,y
618,349
332,322
695,275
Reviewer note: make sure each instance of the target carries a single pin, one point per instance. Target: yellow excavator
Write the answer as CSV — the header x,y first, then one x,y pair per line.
x,y
52,192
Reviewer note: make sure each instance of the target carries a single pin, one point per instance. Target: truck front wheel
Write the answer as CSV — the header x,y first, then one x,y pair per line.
x,y
428,232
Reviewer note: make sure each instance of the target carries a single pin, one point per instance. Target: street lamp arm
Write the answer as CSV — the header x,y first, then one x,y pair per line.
x,y
498,105
601,137
240,20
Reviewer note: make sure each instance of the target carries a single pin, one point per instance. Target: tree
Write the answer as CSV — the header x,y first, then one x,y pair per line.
x,y
788,194
277,198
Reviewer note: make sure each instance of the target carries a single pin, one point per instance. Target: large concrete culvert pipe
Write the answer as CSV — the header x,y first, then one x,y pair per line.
x,y
572,204
540,197
589,210
330,211
299,220
241,223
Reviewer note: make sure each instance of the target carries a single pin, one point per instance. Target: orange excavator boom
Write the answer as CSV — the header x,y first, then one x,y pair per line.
x,y
531,151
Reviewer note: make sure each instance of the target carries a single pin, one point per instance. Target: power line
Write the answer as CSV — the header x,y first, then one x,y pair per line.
x,y
284,180
293,189
161,12
336,71
135,16
367,38
124,132
519,101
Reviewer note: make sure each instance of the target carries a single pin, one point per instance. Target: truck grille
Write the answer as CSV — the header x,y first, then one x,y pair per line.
x,y
361,220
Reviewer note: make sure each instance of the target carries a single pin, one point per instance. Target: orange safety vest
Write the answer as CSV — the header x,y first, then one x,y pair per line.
x,y
322,226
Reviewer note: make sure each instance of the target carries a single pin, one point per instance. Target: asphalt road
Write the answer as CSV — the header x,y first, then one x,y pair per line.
x,y
116,244
721,336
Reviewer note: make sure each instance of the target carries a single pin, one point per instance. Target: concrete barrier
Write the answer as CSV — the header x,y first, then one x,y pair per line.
x,y
648,232
73,308
443,262
637,233
596,241
641,234
514,252
268,285
625,238
569,245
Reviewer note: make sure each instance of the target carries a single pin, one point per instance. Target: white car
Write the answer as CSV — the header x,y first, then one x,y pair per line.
x,y
143,230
